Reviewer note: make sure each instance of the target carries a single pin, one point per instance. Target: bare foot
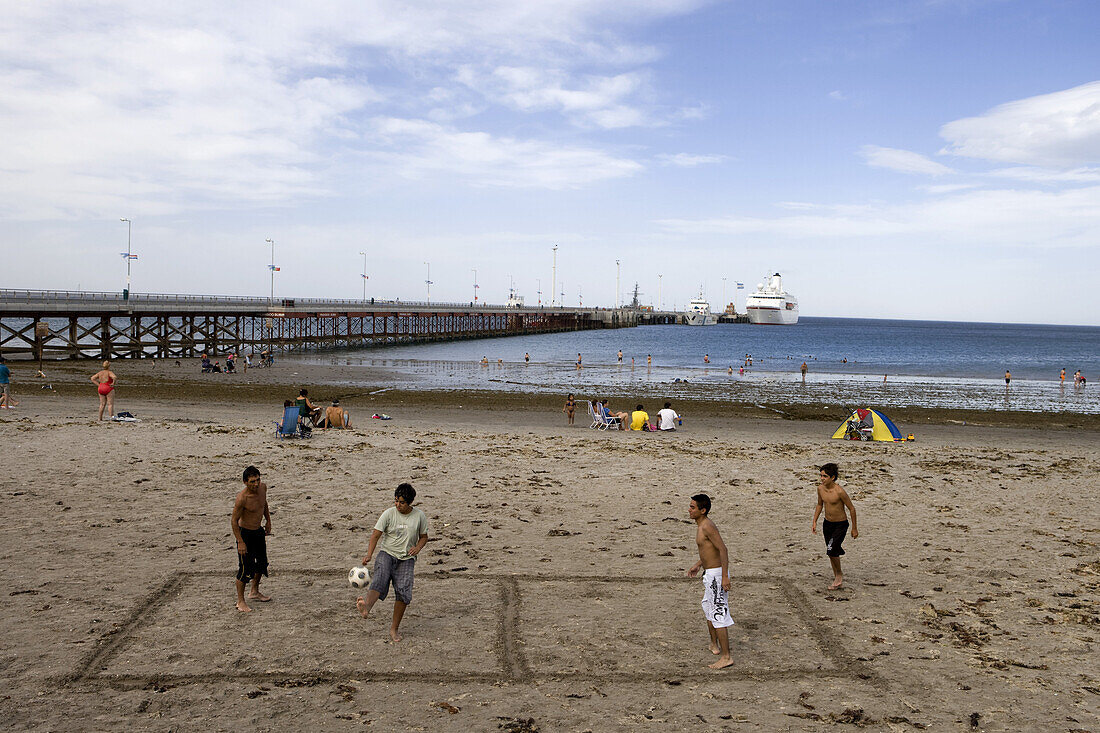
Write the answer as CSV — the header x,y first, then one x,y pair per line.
x,y
715,649
258,596
364,609
722,663
836,584
394,636
243,607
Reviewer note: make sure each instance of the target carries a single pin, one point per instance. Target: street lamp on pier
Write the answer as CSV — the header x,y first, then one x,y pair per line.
x,y
616,283
660,303
554,277
365,278
129,256
475,287
274,269
428,281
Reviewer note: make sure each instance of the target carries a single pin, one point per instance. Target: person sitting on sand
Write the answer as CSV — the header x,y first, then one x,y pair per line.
x,y
639,419
307,409
248,509
620,416
667,417
834,499
336,417
714,562
403,531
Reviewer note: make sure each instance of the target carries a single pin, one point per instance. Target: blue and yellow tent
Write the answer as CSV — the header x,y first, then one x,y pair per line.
x,y
869,425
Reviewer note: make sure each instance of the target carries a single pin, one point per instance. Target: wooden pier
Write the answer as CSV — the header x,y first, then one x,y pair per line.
x,y
75,325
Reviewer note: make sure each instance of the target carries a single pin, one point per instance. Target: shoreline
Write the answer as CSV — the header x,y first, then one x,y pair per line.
x,y
366,390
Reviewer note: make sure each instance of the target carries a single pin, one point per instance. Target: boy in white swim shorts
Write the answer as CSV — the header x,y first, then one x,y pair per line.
x,y
714,562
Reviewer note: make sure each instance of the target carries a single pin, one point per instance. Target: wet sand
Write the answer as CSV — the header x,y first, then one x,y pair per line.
x,y
552,596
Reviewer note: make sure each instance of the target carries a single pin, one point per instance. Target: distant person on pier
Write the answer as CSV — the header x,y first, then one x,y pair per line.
x,y
105,379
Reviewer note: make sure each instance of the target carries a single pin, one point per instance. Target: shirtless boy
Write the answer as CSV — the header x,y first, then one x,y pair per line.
x,y
714,562
403,531
834,498
249,508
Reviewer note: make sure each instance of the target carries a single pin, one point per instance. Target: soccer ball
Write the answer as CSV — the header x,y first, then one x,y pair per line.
x,y
359,577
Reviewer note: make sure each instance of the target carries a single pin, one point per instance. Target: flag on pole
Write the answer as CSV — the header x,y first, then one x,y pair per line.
x,y
365,277
740,286
273,268
128,256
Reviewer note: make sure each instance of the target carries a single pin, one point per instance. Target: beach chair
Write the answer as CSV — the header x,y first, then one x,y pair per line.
x,y
289,426
603,421
592,415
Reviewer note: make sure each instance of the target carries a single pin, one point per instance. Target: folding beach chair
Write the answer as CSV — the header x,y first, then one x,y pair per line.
x,y
592,415
290,426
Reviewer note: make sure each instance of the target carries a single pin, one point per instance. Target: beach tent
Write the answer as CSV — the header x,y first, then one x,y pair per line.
x,y
868,425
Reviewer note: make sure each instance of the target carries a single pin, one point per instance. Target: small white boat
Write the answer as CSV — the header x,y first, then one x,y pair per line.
x,y
699,314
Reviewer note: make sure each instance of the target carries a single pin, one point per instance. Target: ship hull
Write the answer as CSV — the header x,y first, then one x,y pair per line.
x,y
772,315
701,319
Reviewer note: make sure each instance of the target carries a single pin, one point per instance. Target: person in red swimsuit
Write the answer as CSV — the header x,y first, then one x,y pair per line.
x,y
105,378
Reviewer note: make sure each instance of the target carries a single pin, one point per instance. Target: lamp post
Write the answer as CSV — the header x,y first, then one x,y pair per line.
x,y
539,290
475,287
428,281
616,283
723,295
271,300
128,256
554,277
364,276
660,303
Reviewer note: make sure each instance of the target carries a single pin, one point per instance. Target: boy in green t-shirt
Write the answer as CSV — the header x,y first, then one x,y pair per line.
x,y
404,532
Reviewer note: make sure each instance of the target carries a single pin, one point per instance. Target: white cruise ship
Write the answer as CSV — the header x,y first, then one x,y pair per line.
x,y
770,304
699,314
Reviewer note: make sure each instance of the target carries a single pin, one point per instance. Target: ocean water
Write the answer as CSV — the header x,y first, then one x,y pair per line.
x,y
925,363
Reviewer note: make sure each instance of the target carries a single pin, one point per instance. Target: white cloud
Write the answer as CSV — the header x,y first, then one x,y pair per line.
x,y
903,161
1046,175
418,148
156,108
838,95
994,218
947,187
687,160
1056,130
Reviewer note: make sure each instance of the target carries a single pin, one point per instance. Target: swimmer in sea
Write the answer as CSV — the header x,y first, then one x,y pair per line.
x,y
105,378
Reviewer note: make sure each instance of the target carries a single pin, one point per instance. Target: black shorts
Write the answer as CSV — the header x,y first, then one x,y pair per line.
x,y
834,535
253,563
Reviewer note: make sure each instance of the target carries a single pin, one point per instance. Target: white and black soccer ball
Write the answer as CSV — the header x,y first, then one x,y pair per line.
x,y
359,576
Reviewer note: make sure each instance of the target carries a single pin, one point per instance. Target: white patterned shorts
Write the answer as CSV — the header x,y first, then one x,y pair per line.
x,y
716,603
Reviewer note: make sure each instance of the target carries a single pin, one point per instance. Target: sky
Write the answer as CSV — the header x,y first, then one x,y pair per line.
x,y
924,160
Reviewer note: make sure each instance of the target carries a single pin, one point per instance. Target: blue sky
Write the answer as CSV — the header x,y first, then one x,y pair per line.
x,y
935,160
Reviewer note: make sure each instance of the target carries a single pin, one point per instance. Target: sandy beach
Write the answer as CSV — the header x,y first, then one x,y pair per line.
x,y
552,594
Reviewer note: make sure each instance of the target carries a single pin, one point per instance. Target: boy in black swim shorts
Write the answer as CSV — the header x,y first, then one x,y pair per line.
x,y
249,508
834,499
